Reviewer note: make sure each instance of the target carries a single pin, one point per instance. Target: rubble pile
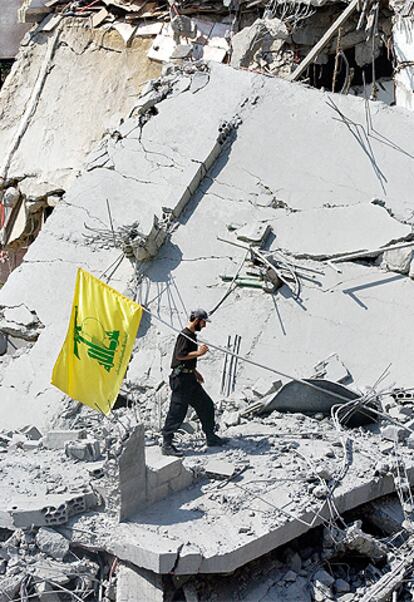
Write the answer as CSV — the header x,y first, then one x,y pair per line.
x,y
285,211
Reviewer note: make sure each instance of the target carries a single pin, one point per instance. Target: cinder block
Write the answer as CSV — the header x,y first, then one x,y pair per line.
x,y
166,467
58,439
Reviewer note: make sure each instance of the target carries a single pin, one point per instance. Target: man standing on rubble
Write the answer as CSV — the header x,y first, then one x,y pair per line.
x,y
186,386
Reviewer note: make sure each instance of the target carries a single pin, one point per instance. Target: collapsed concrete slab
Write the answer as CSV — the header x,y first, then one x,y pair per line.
x,y
154,166
216,526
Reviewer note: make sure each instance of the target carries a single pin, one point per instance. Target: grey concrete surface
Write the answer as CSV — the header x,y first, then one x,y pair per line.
x,y
278,153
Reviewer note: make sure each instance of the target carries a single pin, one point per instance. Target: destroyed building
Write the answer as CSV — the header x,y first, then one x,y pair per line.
x,y
256,159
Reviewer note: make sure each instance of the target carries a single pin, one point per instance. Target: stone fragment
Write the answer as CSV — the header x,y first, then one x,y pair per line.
x,y
321,592
9,587
88,450
230,418
397,260
262,39
410,441
265,386
382,468
47,592
324,577
332,368
254,232
392,432
58,439
31,432
290,576
324,472
342,586
52,543
220,468
20,322
31,445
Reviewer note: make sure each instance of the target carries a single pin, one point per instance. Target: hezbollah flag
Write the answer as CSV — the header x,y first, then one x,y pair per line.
x,y
94,357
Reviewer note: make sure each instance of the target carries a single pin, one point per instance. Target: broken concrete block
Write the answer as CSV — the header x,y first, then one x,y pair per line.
x,y
324,472
230,418
31,445
321,592
9,587
264,36
332,368
397,260
265,386
46,592
410,441
392,432
58,439
20,322
341,586
31,432
138,584
253,233
161,468
220,468
132,474
88,450
365,544
52,543
324,577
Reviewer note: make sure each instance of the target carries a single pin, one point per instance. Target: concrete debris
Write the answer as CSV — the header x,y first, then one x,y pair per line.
x,y
332,368
20,322
52,543
259,44
171,174
397,261
353,539
394,433
58,439
133,582
219,468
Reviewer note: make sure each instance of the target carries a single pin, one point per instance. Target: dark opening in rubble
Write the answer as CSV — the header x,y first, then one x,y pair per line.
x,y
5,66
348,72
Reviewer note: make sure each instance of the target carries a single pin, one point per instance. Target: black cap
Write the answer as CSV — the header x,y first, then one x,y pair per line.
x,y
199,314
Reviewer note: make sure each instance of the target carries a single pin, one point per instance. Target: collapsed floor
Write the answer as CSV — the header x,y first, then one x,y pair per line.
x,y
321,200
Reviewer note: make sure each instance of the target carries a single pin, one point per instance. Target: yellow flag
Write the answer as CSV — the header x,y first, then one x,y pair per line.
x,y
94,357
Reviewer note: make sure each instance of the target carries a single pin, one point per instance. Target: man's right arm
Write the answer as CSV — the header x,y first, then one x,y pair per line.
x,y
202,350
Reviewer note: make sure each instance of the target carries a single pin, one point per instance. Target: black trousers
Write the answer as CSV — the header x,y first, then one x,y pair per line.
x,y
186,391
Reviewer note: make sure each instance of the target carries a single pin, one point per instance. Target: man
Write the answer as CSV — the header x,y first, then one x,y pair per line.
x,y
185,383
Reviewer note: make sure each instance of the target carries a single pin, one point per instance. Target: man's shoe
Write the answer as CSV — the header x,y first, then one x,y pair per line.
x,y
168,449
216,441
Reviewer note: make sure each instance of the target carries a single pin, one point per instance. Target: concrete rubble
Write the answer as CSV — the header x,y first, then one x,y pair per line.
x,y
286,211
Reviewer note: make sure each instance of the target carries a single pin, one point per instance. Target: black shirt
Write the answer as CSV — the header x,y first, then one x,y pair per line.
x,y
183,347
